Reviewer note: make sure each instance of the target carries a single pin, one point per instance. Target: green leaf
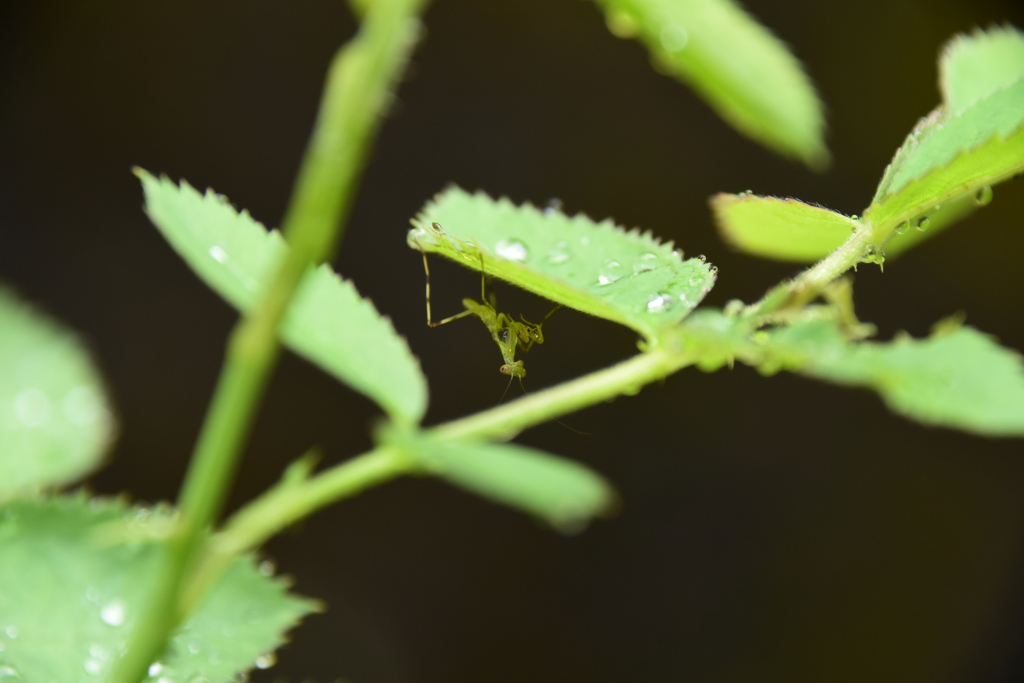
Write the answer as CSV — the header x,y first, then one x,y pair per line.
x,y
744,72
973,67
973,141
70,600
782,229
564,493
956,378
55,420
327,321
597,268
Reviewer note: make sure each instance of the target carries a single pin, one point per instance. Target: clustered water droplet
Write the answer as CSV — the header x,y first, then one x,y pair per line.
x,y
266,661
559,254
218,254
610,273
645,263
512,250
553,206
113,613
659,303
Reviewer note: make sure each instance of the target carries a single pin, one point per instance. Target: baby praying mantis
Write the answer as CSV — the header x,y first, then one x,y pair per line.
x,y
509,334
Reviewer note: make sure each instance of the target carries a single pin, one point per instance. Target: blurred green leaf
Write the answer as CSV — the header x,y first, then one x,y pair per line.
x,y
564,493
744,72
597,268
327,321
973,67
782,229
956,378
55,420
70,599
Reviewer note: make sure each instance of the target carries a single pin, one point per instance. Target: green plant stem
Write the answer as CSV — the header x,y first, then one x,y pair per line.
x,y
812,282
289,502
359,81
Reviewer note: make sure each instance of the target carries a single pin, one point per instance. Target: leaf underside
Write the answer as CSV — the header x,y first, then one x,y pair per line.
x,y
70,600
960,379
782,229
327,321
562,492
55,419
746,74
598,268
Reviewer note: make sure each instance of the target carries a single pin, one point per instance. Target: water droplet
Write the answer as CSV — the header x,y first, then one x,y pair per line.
x,y
696,280
559,254
241,677
92,666
113,613
97,651
713,270
12,632
645,263
585,241
610,273
266,661
267,568
678,253
673,37
983,197
702,258
194,647
901,229
218,254
3,646
155,668
659,303
437,228
32,408
553,206
923,223
8,674
511,249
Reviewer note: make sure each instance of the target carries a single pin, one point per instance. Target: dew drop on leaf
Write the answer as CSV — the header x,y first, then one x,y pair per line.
x,y
266,661
92,666
217,254
512,249
553,206
645,263
12,632
610,273
113,613
901,229
559,254
659,303
923,223
267,568
983,197
8,674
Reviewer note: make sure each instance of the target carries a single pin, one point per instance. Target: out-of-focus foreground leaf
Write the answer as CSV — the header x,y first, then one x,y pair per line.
x,y
55,420
70,597
745,73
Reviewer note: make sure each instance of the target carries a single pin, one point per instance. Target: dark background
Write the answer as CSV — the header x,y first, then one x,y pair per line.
x,y
773,529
